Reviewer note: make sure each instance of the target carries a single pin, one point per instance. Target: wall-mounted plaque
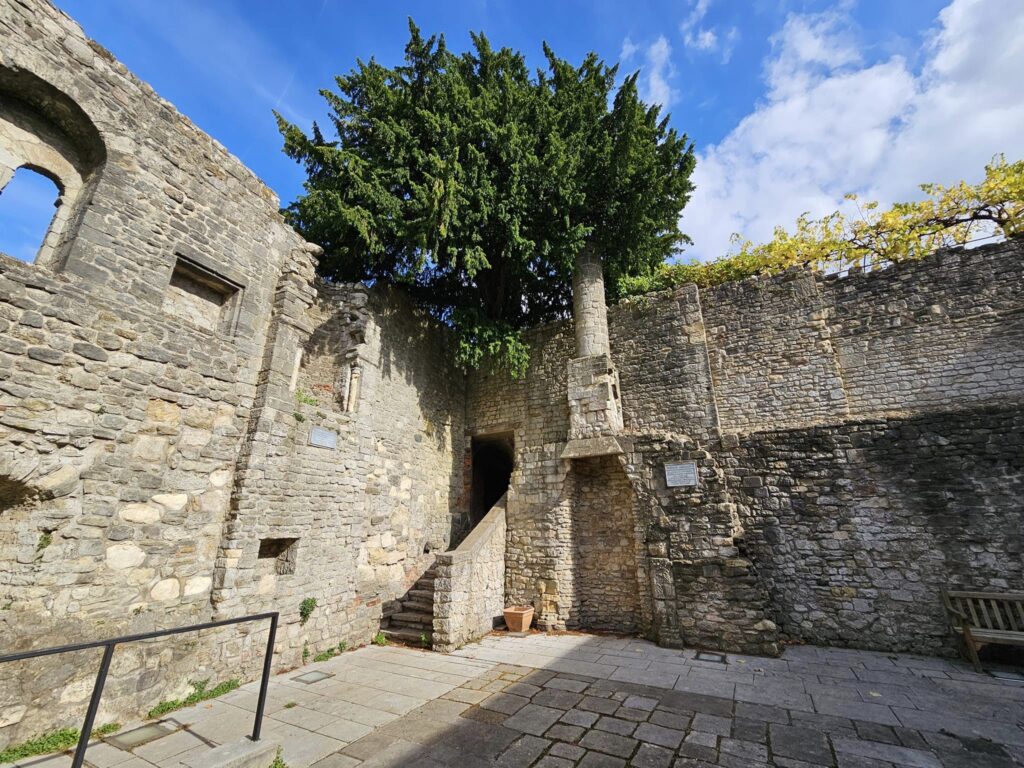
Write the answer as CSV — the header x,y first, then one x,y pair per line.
x,y
681,475
323,438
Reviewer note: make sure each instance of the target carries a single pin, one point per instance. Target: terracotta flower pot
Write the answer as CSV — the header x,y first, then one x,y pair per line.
x,y
518,618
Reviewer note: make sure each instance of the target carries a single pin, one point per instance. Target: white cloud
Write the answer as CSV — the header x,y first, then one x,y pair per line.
x,y
697,14
629,49
831,123
659,71
704,40
656,72
696,37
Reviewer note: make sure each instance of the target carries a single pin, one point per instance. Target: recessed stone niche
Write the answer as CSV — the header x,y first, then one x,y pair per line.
x,y
201,297
277,556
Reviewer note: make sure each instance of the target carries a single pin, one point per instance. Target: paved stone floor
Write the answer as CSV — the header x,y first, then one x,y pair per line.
x,y
557,701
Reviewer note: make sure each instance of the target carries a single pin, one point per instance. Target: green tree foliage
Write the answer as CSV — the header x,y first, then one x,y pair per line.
x,y
947,216
473,183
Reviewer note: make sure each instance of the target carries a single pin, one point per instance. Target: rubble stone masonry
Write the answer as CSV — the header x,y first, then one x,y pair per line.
x,y
193,427
857,439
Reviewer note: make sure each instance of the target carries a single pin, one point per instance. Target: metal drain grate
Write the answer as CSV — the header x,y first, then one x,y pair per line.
x,y
136,737
718,658
312,677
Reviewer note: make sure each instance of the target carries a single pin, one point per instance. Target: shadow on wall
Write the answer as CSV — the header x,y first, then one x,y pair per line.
x,y
892,510
604,534
374,354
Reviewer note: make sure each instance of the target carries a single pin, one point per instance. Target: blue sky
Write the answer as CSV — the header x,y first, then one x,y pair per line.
x,y
791,103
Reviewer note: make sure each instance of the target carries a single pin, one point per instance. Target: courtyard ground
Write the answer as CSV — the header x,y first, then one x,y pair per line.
x,y
557,701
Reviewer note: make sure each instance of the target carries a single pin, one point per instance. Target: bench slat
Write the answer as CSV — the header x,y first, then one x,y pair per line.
x,y
995,636
1008,596
997,613
986,623
970,610
1011,618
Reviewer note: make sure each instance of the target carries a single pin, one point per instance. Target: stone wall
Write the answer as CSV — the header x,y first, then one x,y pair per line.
x,y
771,353
357,478
604,526
163,366
801,349
120,419
932,335
856,527
742,379
469,589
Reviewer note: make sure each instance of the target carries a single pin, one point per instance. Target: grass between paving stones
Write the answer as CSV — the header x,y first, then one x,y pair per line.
x,y
199,693
55,741
278,762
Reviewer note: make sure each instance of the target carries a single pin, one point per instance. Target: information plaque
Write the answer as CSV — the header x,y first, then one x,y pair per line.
x,y
323,438
681,475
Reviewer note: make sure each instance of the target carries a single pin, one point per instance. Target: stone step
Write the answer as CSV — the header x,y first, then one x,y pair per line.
x,y
412,619
409,636
422,595
236,754
416,606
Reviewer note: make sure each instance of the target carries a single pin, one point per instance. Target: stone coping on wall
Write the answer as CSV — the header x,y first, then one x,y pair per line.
x,y
478,537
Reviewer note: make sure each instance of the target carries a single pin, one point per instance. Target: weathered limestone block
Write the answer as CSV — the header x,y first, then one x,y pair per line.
x,y
122,556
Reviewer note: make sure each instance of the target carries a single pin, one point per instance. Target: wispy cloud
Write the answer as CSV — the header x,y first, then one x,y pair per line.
x,y
707,39
656,71
629,49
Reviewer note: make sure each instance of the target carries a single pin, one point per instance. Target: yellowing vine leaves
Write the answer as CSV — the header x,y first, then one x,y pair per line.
x,y
948,216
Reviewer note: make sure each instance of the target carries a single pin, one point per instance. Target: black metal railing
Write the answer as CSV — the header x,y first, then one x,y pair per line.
x,y
108,653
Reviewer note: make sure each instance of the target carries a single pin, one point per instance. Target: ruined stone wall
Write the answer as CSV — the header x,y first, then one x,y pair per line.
x,y
535,412
605,534
856,527
726,377
931,335
469,590
163,366
120,417
357,480
771,353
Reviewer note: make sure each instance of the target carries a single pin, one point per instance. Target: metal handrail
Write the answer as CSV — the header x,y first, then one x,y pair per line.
x,y
108,653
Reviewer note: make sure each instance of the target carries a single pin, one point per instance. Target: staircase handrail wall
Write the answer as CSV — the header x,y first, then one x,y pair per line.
x,y
469,588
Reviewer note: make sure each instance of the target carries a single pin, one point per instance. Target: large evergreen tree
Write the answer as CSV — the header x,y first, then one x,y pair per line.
x,y
474,183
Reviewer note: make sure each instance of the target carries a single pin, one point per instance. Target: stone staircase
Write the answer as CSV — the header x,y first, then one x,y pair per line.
x,y
410,619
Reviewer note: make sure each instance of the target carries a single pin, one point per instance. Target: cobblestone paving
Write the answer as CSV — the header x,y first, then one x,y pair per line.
x,y
600,702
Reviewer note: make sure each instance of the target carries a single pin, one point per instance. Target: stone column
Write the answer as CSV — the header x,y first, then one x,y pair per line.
x,y
590,314
594,412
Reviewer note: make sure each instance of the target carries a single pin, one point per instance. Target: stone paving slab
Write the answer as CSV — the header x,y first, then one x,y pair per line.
x,y
529,701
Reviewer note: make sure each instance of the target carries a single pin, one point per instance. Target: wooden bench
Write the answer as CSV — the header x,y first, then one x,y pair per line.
x,y
985,618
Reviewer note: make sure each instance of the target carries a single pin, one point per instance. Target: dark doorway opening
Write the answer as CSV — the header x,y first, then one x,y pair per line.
x,y
493,458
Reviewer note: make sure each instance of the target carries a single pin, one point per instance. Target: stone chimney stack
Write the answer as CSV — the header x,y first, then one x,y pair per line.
x,y
595,416
588,308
